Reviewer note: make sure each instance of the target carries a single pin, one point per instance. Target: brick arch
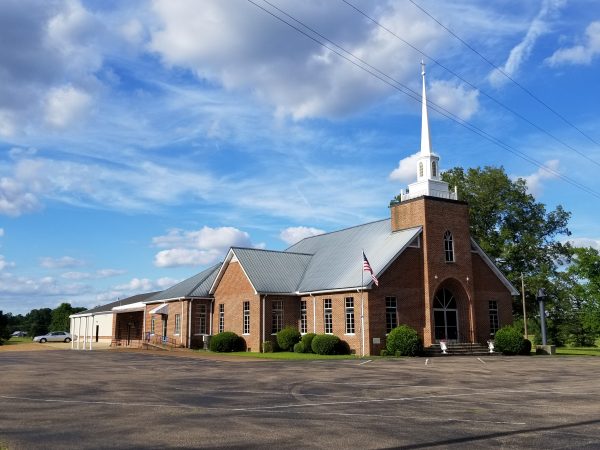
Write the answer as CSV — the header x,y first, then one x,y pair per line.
x,y
460,294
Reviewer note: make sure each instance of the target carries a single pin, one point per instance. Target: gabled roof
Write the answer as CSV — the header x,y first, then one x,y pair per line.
x,y
193,287
327,262
269,272
337,256
109,306
495,269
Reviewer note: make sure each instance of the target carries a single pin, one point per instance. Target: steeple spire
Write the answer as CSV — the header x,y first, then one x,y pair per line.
x,y
425,137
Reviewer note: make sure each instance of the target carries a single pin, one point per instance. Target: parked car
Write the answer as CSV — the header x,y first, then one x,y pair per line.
x,y
19,334
54,336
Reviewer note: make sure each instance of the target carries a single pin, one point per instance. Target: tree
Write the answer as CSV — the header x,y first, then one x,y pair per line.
x,y
60,317
4,331
38,321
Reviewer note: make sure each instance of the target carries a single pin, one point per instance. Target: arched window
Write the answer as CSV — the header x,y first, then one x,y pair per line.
x,y
433,169
448,246
420,169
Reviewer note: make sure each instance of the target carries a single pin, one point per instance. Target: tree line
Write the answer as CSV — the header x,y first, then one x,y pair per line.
x,y
37,321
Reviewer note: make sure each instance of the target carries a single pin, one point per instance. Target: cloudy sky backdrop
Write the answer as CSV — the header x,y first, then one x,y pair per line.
x,y
140,140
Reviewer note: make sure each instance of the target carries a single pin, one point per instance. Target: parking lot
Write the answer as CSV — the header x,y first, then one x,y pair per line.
x,y
99,399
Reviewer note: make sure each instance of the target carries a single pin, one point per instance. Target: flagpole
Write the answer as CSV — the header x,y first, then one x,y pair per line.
x,y
362,305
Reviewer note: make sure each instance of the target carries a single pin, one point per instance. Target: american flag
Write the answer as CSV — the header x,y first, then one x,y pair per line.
x,y
367,268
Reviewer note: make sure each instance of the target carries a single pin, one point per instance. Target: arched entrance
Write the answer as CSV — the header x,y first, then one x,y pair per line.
x,y
445,316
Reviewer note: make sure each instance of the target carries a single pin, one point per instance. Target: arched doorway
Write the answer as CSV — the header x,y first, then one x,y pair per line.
x,y
445,316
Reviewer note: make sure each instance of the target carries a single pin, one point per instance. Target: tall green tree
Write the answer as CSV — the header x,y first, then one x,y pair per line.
x,y
4,331
38,321
60,316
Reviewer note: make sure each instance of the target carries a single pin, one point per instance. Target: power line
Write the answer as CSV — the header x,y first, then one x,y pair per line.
x,y
527,91
498,102
415,95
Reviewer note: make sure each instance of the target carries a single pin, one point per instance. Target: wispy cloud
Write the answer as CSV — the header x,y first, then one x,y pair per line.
x,y
291,235
521,52
60,263
535,181
582,53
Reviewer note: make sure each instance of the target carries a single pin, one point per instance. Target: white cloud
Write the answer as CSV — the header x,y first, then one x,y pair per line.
x,y
292,235
579,54
135,286
585,242
45,286
1,232
198,247
99,274
454,97
65,105
520,53
61,263
536,179
4,263
406,172
241,47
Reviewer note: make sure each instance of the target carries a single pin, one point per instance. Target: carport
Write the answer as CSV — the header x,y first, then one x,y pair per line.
x,y
129,324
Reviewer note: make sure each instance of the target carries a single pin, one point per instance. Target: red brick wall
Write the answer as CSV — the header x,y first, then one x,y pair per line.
x,y
489,287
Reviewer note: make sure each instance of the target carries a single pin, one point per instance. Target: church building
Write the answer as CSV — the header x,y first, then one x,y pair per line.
x,y
427,272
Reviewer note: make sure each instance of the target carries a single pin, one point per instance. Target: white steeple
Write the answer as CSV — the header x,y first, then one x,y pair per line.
x,y
428,181
425,136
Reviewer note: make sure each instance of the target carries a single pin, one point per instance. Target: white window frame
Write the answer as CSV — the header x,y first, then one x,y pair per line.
x,y
201,320
246,318
276,316
152,325
221,317
303,317
391,314
349,309
328,316
493,314
177,330
448,247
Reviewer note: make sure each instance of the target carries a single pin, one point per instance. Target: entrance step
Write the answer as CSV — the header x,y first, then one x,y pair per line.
x,y
459,349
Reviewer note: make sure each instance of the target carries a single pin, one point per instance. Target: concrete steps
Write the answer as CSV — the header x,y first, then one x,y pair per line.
x,y
459,349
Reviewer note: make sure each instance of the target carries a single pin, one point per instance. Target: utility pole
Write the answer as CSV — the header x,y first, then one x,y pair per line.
x,y
524,309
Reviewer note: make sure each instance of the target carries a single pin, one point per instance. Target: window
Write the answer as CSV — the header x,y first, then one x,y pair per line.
x,y
433,169
152,326
276,316
420,169
177,324
201,319
391,314
349,302
328,316
221,317
494,322
303,319
246,317
448,246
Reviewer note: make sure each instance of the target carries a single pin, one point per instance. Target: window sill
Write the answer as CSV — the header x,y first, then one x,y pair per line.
x,y
245,334
349,334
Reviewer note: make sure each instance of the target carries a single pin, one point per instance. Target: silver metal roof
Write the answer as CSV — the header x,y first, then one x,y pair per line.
x,y
196,286
107,308
272,271
337,257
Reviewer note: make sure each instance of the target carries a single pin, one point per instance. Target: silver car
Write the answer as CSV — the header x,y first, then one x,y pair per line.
x,y
54,336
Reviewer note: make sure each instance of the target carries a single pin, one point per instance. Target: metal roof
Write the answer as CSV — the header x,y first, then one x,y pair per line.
x,y
109,306
337,257
272,271
196,286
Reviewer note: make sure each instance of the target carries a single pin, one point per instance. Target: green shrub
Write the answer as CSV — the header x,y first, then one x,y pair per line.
x,y
383,352
525,347
324,344
342,348
287,337
508,340
307,342
403,341
267,347
299,347
227,341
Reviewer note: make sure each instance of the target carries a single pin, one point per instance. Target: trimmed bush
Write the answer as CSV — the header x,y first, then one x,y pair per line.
x,y
525,347
227,341
342,348
299,347
307,342
383,352
287,337
508,340
324,344
403,341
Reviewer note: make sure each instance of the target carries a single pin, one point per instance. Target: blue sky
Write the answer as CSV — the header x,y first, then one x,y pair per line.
x,y
140,140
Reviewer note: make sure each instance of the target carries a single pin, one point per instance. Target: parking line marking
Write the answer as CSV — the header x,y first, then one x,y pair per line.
x,y
364,362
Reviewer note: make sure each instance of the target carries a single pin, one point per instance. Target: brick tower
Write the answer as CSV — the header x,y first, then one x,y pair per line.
x,y
448,291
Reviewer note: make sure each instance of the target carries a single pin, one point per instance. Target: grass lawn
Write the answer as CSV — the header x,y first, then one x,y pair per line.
x,y
289,356
16,341
578,351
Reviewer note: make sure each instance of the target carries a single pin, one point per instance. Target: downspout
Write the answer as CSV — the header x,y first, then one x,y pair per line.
x,y
188,337
212,310
314,313
181,323
264,318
